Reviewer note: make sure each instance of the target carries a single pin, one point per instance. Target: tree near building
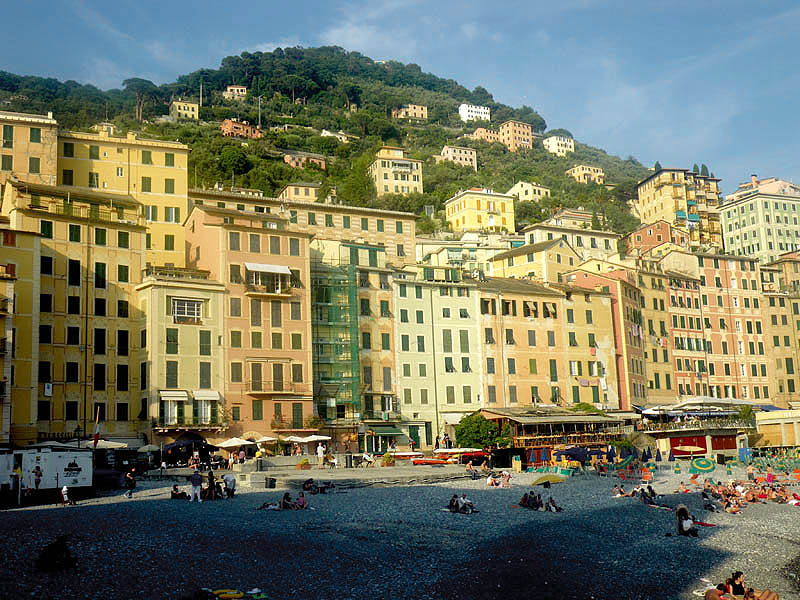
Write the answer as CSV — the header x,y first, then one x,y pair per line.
x,y
144,90
704,170
475,431
657,167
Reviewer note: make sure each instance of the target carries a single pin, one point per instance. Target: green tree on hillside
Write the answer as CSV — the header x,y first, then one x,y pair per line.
x,y
704,170
357,188
695,169
657,167
144,90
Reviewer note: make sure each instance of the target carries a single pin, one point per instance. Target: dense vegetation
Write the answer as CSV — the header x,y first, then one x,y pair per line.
x,y
313,89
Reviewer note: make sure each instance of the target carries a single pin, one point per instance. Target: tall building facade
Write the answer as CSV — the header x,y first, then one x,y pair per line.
x,y
394,173
28,147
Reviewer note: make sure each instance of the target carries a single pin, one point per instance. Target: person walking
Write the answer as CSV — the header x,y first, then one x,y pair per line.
x,y
197,484
130,482
230,484
320,454
37,476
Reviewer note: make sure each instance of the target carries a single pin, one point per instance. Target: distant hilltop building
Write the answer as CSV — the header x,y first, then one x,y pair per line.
x,y
472,112
411,111
235,92
394,173
587,174
299,160
343,137
522,190
760,219
480,209
241,129
467,157
184,109
559,145
685,200
514,135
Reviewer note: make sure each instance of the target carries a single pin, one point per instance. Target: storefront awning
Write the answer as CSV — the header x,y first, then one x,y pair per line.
x,y
261,268
384,430
174,395
452,418
211,395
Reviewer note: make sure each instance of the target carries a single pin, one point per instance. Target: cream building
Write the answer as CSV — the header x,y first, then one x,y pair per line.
x,y
467,157
470,253
472,112
686,201
184,109
305,192
28,147
559,145
779,428
479,209
439,354
587,174
152,172
411,111
523,190
544,261
183,360
394,173
235,92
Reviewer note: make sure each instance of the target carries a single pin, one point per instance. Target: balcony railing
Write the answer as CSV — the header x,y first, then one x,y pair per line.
x,y
268,290
94,213
701,424
569,439
271,387
186,320
191,423
381,415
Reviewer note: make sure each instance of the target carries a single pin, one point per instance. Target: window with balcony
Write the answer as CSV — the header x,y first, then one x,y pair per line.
x,y
186,311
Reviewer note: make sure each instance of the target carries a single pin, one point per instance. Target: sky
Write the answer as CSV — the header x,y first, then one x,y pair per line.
x,y
678,82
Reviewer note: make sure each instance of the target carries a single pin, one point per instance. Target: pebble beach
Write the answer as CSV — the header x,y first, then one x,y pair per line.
x,y
397,542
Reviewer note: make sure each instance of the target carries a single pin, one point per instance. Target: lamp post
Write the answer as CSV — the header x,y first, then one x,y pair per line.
x,y
78,436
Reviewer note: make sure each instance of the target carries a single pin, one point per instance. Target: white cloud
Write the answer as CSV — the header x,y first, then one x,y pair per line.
x,y
287,42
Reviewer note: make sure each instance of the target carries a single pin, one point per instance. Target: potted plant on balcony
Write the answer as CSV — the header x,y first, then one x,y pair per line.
x,y
277,424
387,460
303,465
314,422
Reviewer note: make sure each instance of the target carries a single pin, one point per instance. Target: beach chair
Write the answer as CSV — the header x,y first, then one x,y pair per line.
x,y
647,476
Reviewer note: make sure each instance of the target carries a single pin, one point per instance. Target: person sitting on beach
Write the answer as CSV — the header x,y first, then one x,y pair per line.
x,y
651,492
682,489
465,505
505,479
178,495
524,500
287,503
492,480
622,493
615,491
739,588
452,506
485,467
537,503
270,506
301,503
684,521
550,506
718,593
471,471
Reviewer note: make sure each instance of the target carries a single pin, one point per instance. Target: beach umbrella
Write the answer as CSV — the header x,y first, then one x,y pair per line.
x,y
612,454
671,456
103,444
690,449
702,464
625,462
545,457
265,439
635,452
148,448
549,478
658,455
648,455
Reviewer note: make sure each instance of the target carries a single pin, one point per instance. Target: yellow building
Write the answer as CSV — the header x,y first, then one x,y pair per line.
x,y
28,147
466,157
522,190
411,111
78,322
479,209
559,145
778,428
184,109
587,174
184,360
305,192
394,173
685,200
152,172
516,135
545,261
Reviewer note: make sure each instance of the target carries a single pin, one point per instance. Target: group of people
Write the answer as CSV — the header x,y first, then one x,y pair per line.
x,y
461,505
286,503
736,495
734,587
215,489
445,442
474,473
501,480
534,501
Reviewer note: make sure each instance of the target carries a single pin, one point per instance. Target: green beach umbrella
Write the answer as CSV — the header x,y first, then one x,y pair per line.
x,y
702,464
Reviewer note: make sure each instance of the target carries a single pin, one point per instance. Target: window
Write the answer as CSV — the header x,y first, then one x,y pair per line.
x,y
420,318
147,187
205,343
255,339
294,247
99,377
7,163
100,307
294,311
205,376
94,180
46,265
172,374
236,307
122,273
169,187
185,310
147,157
123,337
385,341
297,341
169,159
69,147
169,242
509,336
450,393
71,372
100,275
45,302
122,385
512,366
447,340
274,244
236,339
36,135
277,340
366,340
420,343
33,164
46,229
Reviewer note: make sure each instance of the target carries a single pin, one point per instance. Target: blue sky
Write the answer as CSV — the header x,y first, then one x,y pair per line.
x,y
679,82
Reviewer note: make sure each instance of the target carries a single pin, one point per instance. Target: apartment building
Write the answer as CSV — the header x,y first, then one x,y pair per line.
x,y
28,147
516,135
471,252
545,344
486,135
152,172
760,219
411,111
685,200
265,264
559,145
655,290
586,242
730,300
184,109
439,356
305,191
545,261
394,173
183,361
76,346
780,316
369,305
479,209
626,306
240,129
299,160
587,174
235,92
395,230
649,235
461,155
523,190
472,112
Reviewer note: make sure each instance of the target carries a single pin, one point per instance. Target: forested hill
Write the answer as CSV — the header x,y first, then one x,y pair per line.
x,y
306,90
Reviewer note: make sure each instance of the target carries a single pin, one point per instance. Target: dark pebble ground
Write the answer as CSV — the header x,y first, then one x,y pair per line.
x,y
395,542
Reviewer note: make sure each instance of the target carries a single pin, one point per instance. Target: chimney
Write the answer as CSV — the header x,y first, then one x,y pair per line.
x,y
754,180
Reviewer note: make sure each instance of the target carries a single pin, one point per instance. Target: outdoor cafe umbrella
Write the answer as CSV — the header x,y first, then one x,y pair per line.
x,y
148,448
103,444
265,439
692,450
234,442
702,464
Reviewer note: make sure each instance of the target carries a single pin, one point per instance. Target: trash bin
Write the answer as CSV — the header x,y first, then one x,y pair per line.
x,y
270,482
348,461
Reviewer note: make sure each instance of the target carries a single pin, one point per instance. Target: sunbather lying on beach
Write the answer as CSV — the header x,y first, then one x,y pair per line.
x,y
718,593
682,489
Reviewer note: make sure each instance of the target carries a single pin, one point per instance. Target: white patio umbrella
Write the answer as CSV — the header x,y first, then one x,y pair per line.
x,y
148,448
294,438
234,442
103,444
265,439
316,438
